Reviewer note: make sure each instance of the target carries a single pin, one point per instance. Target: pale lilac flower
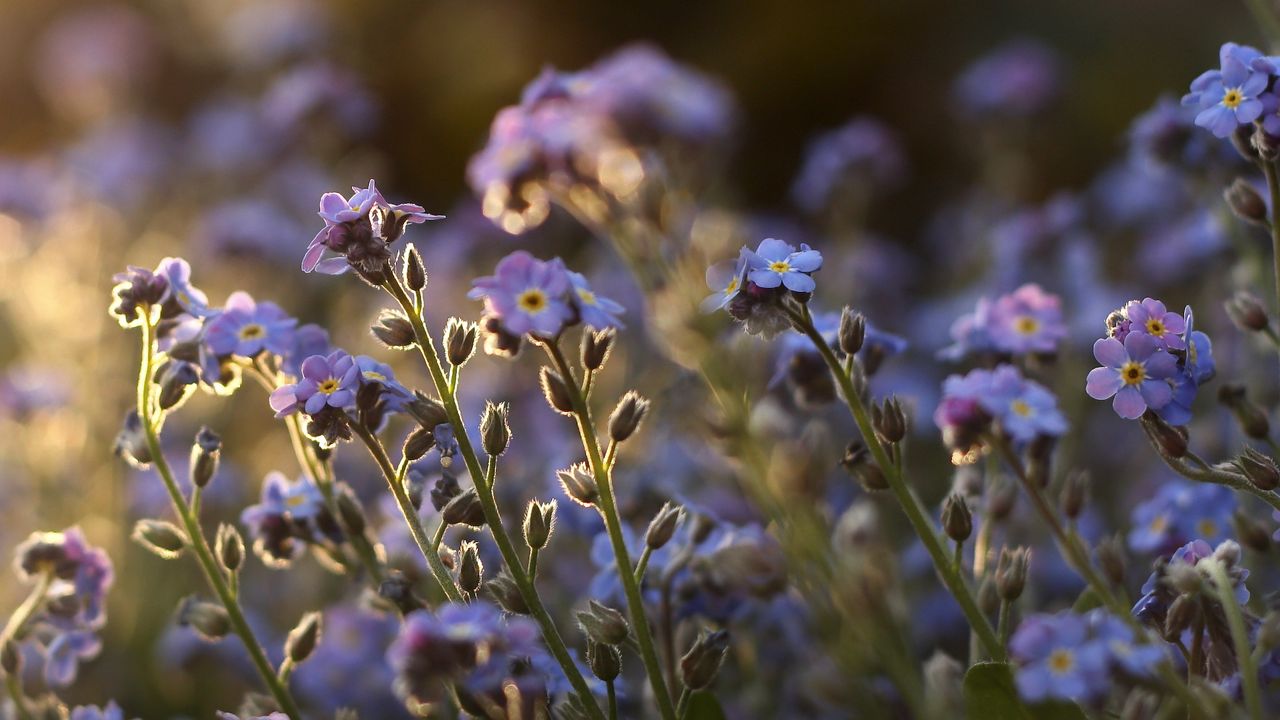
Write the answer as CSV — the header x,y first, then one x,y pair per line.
x,y
527,295
1135,372
776,262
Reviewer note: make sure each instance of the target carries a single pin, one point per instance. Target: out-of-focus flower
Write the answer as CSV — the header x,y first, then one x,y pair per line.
x,y
360,229
727,279
1023,408
862,157
527,295
246,328
1027,320
112,711
1019,79
1180,512
595,311
289,515
1057,659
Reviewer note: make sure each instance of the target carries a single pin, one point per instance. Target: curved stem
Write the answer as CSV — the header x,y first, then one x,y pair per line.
x,y
613,524
484,490
200,546
1273,187
907,500
410,513
1240,637
14,684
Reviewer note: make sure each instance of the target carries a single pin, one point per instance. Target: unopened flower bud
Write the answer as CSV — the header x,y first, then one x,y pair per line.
x,y
446,488
1245,202
663,526
470,569
429,412
229,547
495,433
1269,631
604,624
579,485
464,509
304,637
1182,612
210,621
956,518
459,341
415,273
556,392
988,596
1259,469
205,454
1227,553
1247,312
604,660
857,461
420,440
627,416
701,664
1170,441
1183,578
1075,493
160,537
11,658
596,347
131,442
394,330
1252,419
539,520
1001,497
398,590
1111,558
1252,533
506,593
852,332
889,420
1011,572
177,382
350,511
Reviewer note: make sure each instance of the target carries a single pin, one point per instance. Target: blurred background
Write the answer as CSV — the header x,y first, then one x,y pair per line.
x,y
134,131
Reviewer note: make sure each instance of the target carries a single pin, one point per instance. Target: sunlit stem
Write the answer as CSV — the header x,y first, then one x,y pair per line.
x,y
613,524
910,504
484,490
1239,637
199,545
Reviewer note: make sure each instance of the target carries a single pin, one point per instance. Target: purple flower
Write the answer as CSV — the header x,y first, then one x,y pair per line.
x,y
1229,97
1157,595
178,272
1027,320
289,515
1025,409
1150,317
1180,512
1134,372
864,155
327,381
91,712
727,279
527,295
775,262
595,311
135,289
395,395
359,229
1057,659
308,340
1126,654
246,328
471,645
1019,79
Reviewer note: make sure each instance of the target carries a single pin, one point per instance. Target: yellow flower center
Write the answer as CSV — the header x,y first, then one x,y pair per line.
x,y
1061,661
1159,524
1207,528
587,296
532,300
1133,373
732,287
295,500
252,331
1155,327
1026,325
1020,407
1232,98
375,376
780,266
329,386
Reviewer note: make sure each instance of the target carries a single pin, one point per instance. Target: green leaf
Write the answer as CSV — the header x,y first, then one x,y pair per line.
x,y
989,694
704,706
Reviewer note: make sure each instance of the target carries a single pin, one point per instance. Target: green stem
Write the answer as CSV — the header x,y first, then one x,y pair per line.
x,y
907,500
1265,16
1002,627
29,607
643,563
19,701
613,700
533,564
682,708
410,513
1240,637
191,523
613,524
510,558
1273,187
